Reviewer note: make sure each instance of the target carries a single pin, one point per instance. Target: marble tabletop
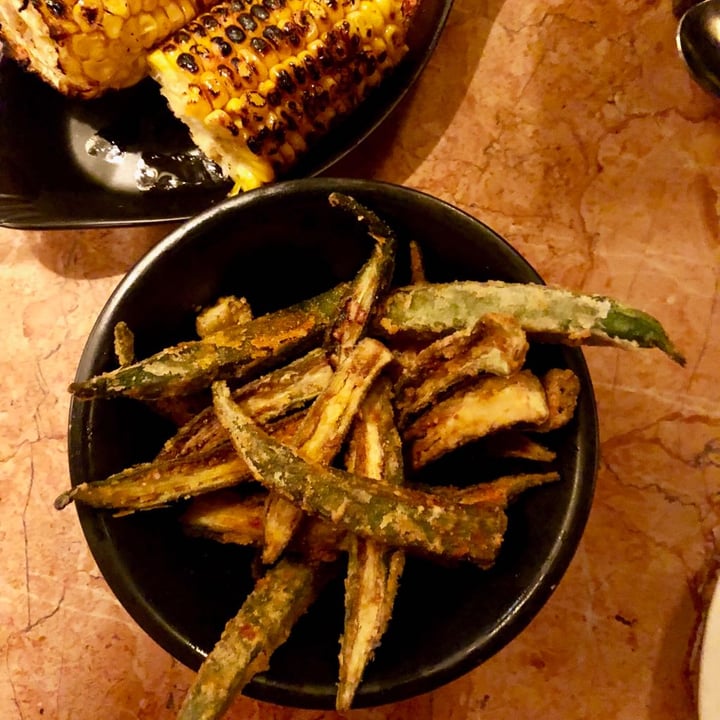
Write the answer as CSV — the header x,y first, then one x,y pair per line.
x,y
572,128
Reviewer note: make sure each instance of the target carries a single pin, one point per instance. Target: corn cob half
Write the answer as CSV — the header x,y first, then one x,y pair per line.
x,y
85,47
257,80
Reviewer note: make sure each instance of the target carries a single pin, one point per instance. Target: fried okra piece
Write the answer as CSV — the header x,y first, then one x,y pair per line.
x,y
398,516
189,366
562,388
322,432
496,344
374,569
159,483
264,622
428,310
489,404
370,284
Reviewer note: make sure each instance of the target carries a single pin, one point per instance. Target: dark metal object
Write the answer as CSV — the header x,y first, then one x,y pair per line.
x,y
698,41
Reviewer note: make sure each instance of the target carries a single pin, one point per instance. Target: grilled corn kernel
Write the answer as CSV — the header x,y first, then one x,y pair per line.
x,y
98,70
88,14
257,83
84,47
188,8
112,25
120,8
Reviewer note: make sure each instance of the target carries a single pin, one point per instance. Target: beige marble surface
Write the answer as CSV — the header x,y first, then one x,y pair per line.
x,y
572,128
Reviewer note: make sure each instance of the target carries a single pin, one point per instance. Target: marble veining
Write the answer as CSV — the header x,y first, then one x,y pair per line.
x,y
572,128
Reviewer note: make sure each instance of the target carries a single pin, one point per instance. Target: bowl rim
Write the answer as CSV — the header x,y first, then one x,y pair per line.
x,y
527,605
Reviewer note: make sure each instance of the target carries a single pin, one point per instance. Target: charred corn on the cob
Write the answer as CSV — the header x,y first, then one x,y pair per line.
x,y
257,80
84,47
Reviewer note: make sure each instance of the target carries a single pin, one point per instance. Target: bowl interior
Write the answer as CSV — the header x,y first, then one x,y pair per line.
x,y
276,246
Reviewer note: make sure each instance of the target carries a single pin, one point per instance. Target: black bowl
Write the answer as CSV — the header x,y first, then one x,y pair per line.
x,y
275,246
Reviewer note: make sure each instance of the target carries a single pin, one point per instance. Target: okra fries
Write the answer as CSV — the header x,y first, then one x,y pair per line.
x,y
386,380
425,311
374,569
244,649
322,431
192,365
328,421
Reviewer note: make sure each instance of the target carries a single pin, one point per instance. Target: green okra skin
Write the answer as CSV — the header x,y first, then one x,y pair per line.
x,y
425,310
429,310
277,393
369,285
156,484
235,352
392,515
322,432
639,328
373,569
262,624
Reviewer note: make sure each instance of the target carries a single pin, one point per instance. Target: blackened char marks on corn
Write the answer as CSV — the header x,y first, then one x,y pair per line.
x,y
85,48
273,76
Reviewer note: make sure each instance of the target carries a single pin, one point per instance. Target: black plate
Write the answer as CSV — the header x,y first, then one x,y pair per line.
x,y
276,246
48,179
